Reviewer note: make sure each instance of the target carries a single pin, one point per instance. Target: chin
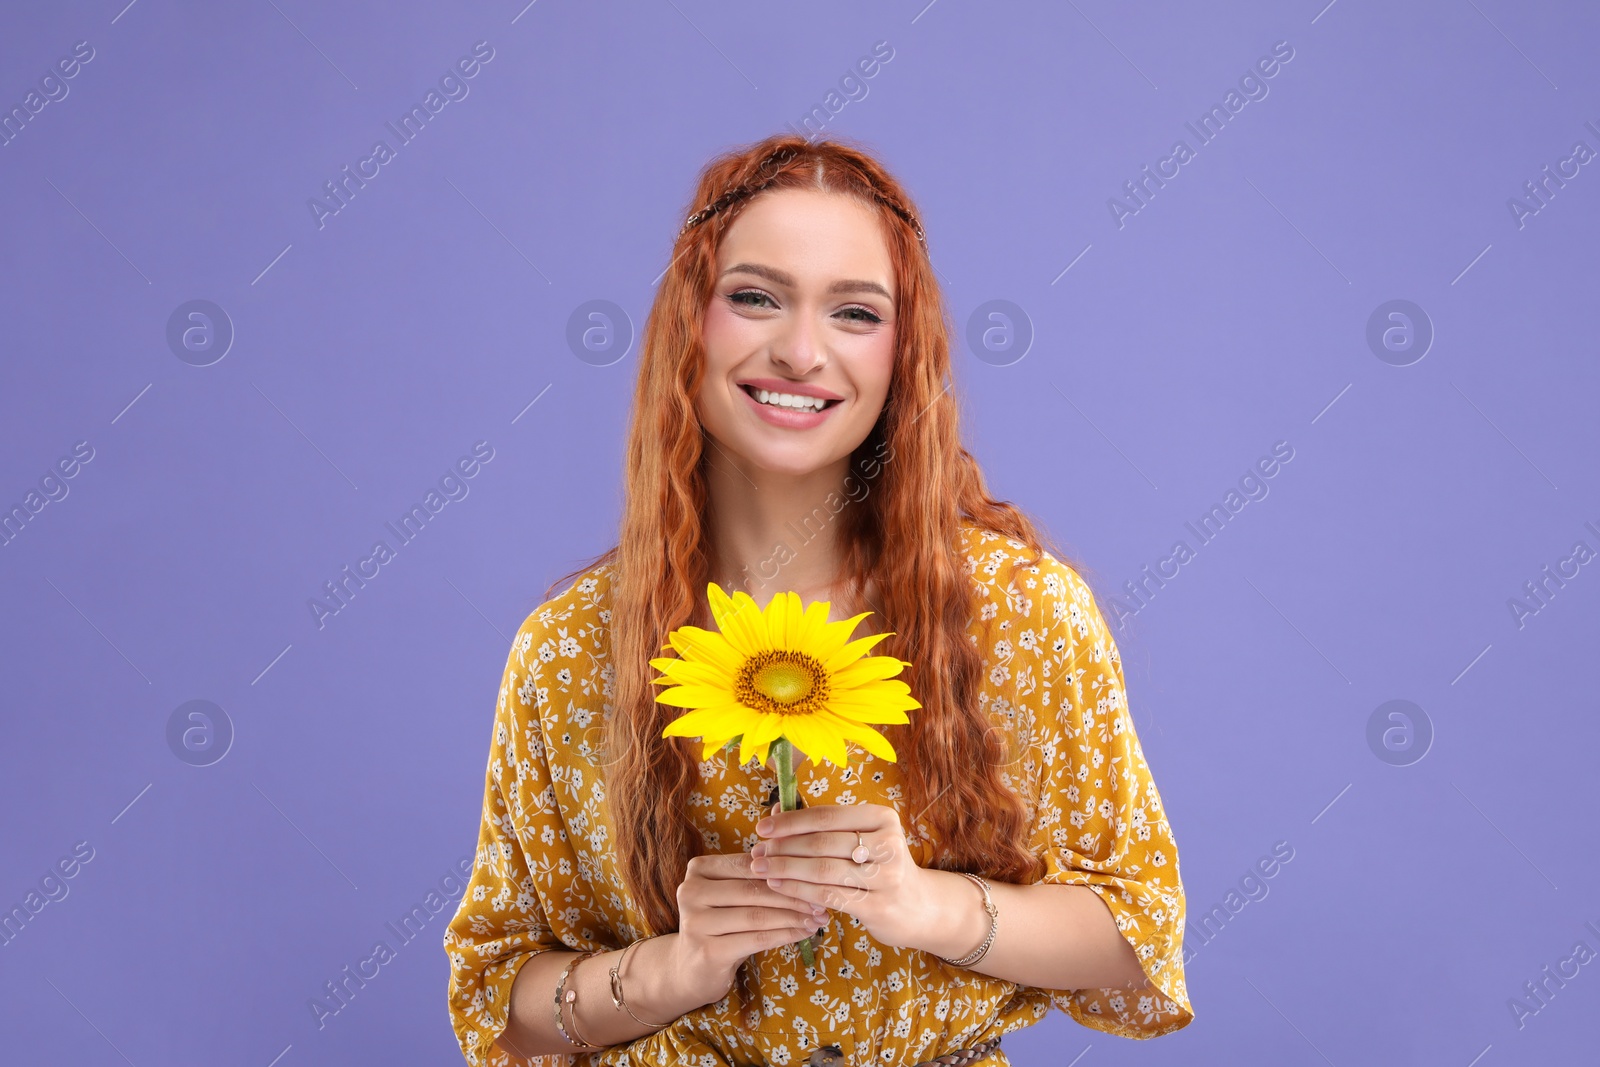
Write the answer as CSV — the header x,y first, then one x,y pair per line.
x,y
785,465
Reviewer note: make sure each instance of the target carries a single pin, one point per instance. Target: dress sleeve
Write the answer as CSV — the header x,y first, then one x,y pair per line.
x,y
525,891
1098,820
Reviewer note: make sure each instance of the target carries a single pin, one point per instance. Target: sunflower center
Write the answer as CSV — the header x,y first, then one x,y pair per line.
x,y
782,681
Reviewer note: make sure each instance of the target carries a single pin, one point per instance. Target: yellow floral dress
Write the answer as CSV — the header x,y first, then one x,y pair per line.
x,y
546,877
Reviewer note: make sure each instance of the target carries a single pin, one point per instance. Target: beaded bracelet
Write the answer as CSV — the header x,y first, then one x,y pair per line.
x,y
570,996
994,924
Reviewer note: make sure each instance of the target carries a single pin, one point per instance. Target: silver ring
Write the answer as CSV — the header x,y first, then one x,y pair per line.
x,y
860,853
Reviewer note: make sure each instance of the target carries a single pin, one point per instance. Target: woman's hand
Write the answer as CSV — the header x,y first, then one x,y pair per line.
x,y
807,854
727,912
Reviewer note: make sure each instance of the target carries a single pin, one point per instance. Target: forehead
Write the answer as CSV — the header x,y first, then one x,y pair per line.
x,y
811,235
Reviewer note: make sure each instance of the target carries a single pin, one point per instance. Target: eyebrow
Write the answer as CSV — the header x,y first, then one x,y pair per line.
x,y
778,277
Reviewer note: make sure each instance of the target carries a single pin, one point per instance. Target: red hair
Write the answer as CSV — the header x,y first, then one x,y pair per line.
x,y
906,534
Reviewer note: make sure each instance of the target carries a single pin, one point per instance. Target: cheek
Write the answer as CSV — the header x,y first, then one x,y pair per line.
x,y
877,365
725,335
718,358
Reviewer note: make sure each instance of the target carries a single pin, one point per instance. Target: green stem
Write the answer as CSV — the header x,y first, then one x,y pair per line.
x,y
788,800
788,788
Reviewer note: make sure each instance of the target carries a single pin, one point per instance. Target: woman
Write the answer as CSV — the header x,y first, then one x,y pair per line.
x,y
792,430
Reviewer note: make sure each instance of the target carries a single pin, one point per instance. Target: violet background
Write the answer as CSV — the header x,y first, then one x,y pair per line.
x,y
1228,314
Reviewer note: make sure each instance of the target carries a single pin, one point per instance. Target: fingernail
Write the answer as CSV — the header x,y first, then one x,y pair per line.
x,y
764,826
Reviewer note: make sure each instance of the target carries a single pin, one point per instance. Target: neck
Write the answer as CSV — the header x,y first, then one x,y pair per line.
x,y
771,531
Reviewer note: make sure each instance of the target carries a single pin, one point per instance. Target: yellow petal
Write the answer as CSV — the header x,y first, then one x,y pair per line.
x,y
692,642
707,722
813,626
876,689
854,651
835,635
775,621
668,667
765,727
693,696
873,668
739,620
818,737
869,739
794,619
698,673
711,745
867,713
720,607
888,693
761,734
751,615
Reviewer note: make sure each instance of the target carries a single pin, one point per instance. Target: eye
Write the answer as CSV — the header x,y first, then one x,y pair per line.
x,y
871,316
756,293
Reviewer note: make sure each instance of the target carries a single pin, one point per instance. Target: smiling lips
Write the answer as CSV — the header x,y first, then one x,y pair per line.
x,y
795,418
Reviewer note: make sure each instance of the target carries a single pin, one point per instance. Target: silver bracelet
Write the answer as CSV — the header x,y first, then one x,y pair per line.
x,y
994,924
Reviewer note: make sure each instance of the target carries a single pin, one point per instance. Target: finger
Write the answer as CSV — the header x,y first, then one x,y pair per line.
x,y
842,817
751,942
804,892
717,922
801,858
830,898
774,898
754,891
753,899
726,866
742,891
787,873
822,898
826,843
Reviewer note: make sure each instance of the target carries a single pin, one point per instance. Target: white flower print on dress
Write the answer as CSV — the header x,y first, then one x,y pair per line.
x,y
1051,677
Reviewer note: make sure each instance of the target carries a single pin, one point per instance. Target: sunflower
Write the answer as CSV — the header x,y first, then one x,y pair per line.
x,y
786,672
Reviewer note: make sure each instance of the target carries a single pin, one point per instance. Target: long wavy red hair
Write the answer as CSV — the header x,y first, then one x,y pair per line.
x,y
905,534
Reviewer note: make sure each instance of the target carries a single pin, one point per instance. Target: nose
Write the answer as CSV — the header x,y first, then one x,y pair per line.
x,y
799,347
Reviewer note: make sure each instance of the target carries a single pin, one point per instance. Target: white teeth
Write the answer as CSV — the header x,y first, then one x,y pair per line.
x,y
789,400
